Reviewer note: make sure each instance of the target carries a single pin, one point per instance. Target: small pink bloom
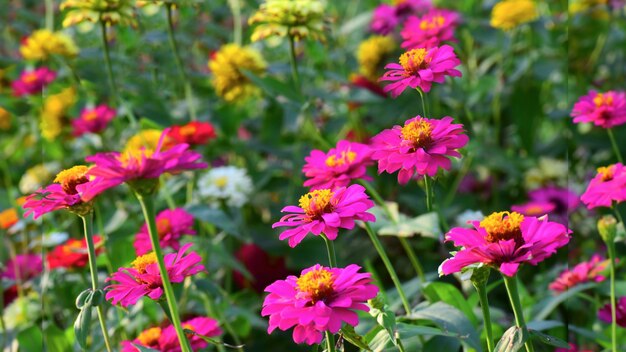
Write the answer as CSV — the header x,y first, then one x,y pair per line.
x,y
590,271
420,68
384,19
93,120
603,109
608,186
171,226
144,279
32,82
620,312
320,300
324,212
534,208
201,325
430,30
505,240
418,148
338,167
23,267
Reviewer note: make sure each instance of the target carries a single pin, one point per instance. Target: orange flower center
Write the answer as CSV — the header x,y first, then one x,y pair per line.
x,y
71,178
533,210
434,22
90,115
418,132
72,247
316,203
188,327
502,226
8,218
30,77
164,226
318,284
150,337
346,157
143,261
414,60
188,130
607,172
603,99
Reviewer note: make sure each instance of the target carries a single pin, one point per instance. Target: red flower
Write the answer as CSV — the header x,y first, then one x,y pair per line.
x,y
264,268
71,254
194,132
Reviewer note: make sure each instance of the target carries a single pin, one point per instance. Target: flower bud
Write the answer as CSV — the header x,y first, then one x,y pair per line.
x,y
607,226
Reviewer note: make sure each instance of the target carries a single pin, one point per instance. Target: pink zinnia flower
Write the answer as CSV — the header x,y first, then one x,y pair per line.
x,y
608,186
620,312
384,19
420,147
201,325
320,300
171,226
324,212
420,68
534,208
603,109
32,82
93,120
430,30
581,273
564,199
23,267
505,240
144,279
337,168
114,168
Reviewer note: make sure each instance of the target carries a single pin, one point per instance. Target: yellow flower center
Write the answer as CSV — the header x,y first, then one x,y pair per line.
x,y
143,261
607,172
432,23
316,203
71,178
603,99
90,115
346,157
221,182
418,132
163,226
317,283
149,337
414,60
502,226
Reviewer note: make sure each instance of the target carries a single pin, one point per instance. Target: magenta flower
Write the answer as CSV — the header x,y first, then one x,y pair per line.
x,y
590,271
171,226
412,7
418,148
337,168
564,199
384,19
620,312
505,240
144,279
534,208
113,168
320,300
23,267
430,30
201,325
603,109
608,186
420,68
93,120
324,212
32,81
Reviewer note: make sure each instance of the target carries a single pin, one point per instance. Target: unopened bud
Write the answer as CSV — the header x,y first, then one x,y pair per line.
x,y
607,226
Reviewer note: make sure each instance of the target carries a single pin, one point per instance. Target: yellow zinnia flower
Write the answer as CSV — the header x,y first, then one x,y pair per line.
x,y
371,53
228,79
54,109
43,43
109,11
509,14
296,18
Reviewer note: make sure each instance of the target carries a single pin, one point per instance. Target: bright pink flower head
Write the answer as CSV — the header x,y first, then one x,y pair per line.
x,y
201,325
320,300
572,348
114,168
23,267
144,279
420,68
430,30
505,240
93,120
620,312
418,148
603,109
32,82
608,186
590,271
534,208
324,212
384,19
337,168
171,226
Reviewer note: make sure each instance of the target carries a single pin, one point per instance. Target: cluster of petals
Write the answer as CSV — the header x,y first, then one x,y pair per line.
x,y
556,201
325,212
321,299
590,271
338,167
93,120
172,224
166,340
144,278
607,187
32,81
418,148
193,133
620,312
419,68
505,240
605,110
22,267
71,254
432,29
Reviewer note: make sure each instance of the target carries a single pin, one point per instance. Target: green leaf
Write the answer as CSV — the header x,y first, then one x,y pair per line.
x,y
512,340
215,217
143,348
212,341
450,319
425,225
55,340
442,291
543,309
351,336
82,326
385,318
273,87
30,339
548,340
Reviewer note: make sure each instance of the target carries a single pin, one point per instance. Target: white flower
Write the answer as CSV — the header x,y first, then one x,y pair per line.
x,y
228,183
468,215
37,177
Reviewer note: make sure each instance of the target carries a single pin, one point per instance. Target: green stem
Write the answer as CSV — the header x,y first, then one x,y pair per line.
x,y
294,64
516,305
428,187
179,63
390,269
49,15
330,248
424,111
91,254
611,249
235,8
481,288
147,207
107,59
330,342
618,154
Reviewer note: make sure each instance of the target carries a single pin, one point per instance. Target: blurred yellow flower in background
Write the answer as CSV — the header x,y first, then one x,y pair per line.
x,y
299,19
42,43
228,79
509,14
55,108
371,53
110,12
